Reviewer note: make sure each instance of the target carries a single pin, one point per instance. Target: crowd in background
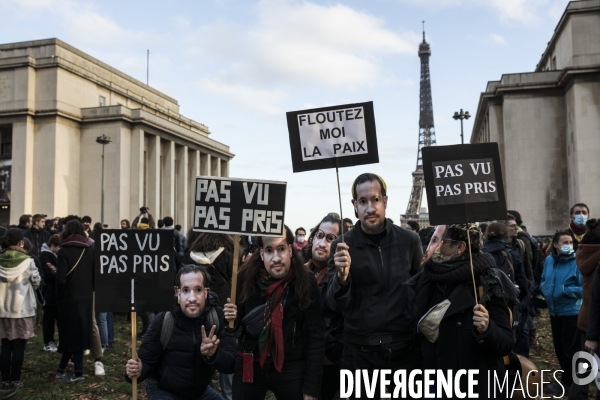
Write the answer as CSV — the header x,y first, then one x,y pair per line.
x,y
44,265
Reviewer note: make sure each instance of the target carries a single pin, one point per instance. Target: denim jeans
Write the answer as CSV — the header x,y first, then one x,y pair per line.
x,y
103,328
111,328
156,393
226,384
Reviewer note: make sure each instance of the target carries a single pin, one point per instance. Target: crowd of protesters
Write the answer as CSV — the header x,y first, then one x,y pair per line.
x,y
309,304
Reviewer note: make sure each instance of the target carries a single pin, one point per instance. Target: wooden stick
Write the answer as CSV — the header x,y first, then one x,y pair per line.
x,y
134,351
340,197
471,259
236,250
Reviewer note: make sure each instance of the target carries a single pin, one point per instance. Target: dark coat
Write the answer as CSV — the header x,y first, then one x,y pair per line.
x,y
374,302
47,256
593,325
334,325
303,332
37,237
495,249
74,294
220,274
181,369
460,345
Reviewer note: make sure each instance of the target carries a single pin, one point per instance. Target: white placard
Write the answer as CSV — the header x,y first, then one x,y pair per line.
x,y
330,134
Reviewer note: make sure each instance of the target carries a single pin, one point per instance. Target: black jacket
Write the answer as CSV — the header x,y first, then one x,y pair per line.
x,y
303,332
460,345
334,324
47,256
593,326
181,369
37,237
74,295
374,302
495,249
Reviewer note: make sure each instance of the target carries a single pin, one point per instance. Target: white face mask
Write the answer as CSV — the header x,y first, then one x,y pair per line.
x,y
300,239
438,258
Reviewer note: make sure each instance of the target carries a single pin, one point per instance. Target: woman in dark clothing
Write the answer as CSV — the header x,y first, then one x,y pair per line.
x,y
74,293
49,261
473,334
511,263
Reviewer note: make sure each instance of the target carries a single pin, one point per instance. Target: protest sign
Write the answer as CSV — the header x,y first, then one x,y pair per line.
x,y
134,270
329,137
239,206
464,183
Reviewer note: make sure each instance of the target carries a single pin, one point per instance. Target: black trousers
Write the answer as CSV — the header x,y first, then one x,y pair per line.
x,y
11,359
564,336
77,362
580,392
50,313
330,385
285,385
394,357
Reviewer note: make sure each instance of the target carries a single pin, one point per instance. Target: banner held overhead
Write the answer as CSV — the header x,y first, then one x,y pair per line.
x,y
330,137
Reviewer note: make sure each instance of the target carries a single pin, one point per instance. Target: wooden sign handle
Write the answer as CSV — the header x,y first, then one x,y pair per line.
x,y
134,351
236,250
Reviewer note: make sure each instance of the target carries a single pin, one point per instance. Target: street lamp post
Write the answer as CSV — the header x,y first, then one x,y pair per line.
x,y
103,140
461,116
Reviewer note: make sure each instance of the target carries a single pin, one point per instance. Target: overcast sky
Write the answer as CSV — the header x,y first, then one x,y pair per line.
x,y
237,67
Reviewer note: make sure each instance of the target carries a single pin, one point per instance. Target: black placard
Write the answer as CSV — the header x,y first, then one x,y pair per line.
x,y
464,183
143,256
329,137
239,206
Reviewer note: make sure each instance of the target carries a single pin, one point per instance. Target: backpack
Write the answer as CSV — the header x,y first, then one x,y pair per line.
x,y
513,314
504,263
169,322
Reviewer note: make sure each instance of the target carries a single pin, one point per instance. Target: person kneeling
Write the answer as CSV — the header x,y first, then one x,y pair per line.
x,y
180,366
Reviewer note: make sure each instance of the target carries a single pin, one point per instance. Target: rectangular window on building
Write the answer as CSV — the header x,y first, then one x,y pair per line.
x,y
102,101
553,65
6,149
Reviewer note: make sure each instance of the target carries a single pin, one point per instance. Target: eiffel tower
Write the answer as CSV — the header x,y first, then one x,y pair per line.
x,y
426,138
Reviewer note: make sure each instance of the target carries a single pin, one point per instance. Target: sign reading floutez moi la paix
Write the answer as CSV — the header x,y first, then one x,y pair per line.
x,y
239,206
134,270
338,136
464,183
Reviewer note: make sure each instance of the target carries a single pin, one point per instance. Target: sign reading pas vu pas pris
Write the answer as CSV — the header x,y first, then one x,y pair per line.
x,y
239,206
338,136
464,183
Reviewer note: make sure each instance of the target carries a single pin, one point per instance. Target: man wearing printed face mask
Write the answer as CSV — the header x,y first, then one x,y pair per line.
x,y
579,215
366,276
180,366
300,239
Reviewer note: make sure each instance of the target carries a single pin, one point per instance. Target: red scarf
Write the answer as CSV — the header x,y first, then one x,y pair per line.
x,y
319,269
273,331
578,230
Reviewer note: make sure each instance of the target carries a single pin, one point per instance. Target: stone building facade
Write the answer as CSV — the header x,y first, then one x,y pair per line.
x,y
547,124
55,101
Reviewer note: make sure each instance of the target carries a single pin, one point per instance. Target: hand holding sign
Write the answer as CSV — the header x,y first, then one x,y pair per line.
x,y
209,343
342,262
230,310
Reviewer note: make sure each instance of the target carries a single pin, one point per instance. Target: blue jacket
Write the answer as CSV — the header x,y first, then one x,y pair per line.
x,y
561,284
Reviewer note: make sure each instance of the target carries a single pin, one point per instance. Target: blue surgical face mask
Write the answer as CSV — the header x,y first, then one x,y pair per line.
x,y
566,249
580,219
